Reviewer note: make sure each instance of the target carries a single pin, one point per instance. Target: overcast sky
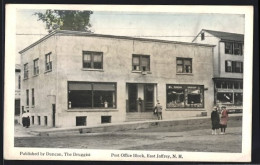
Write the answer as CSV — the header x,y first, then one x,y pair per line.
x,y
166,26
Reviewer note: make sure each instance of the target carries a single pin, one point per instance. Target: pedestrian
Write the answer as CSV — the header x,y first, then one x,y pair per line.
x,y
223,119
158,110
26,119
215,120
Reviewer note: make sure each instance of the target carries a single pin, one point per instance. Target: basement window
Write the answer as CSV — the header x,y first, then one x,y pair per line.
x,y
81,120
105,119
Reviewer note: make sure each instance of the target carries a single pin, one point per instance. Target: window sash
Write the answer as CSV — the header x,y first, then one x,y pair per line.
x,y
92,60
141,63
184,65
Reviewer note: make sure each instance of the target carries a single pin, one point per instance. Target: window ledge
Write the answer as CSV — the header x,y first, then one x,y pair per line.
x,y
91,110
35,75
47,71
189,74
184,109
25,78
136,71
86,69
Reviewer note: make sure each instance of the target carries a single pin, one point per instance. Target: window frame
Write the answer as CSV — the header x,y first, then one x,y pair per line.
x,y
36,68
33,97
233,49
27,98
140,56
48,62
92,53
233,67
185,89
26,71
92,95
183,65
202,36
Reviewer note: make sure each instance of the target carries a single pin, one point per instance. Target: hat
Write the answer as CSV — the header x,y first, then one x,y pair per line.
x,y
215,107
223,107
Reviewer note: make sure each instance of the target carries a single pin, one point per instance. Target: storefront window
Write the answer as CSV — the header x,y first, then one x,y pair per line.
x,y
224,97
91,95
238,98
186,96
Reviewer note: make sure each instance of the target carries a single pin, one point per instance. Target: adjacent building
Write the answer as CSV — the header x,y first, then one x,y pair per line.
x,y
228,67
76,78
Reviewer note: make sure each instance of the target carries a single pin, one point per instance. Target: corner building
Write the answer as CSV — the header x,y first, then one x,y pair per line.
x,y
77,78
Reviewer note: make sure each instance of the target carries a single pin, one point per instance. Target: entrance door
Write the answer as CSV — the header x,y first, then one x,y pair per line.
x,y
148,97
132,97
53,114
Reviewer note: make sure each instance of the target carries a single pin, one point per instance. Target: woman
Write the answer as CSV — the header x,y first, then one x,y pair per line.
x,y
223,120
215,120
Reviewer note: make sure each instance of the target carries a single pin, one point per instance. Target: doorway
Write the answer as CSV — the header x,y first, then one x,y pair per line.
x,y
53,114
148,97
132,97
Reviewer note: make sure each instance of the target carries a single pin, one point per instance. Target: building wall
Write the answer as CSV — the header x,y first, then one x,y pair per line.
x,y
117,67
44,84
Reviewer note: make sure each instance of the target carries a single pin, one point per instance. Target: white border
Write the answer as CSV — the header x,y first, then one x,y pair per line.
x,y
11,152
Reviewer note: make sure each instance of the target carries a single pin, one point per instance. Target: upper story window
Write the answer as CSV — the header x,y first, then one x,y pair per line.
x,y
48,62
233,48
92,60
36,67
19,82
26,71
234,66
202,36
141,63
27,97
33,99
184,65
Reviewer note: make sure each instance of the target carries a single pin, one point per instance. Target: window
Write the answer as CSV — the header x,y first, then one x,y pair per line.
x,y
45,120
26,71
33,97
228,48
238,98
81,120
48,62
224,97
234,48
92,60
185,96
36,67
105,119
238,49
91,95
19,82
32,119
39,120
141,63
184,65
202,36
27,97
234,66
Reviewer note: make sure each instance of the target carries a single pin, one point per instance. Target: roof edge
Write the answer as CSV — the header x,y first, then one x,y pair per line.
x,y
81,33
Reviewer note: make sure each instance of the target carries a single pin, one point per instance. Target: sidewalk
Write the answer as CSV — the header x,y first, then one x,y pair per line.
x,y
183,124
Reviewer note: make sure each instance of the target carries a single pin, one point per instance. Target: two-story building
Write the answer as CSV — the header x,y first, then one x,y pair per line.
x,y
74,78
228,67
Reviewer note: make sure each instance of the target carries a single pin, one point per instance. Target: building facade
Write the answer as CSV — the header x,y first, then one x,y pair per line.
x,y
17,106
228,67
77,78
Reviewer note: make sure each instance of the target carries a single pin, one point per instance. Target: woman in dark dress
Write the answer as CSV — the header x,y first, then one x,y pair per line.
x,y
215,121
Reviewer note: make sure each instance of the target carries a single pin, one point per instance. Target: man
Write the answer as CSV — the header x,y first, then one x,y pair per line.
x,y
158,109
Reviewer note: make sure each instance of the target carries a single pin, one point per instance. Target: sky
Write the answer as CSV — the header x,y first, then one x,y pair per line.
x,y
165,26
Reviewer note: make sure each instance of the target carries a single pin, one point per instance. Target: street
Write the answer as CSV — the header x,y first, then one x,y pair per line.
x,y
158,138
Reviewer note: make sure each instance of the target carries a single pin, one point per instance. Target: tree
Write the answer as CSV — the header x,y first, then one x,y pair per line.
x,y
66,20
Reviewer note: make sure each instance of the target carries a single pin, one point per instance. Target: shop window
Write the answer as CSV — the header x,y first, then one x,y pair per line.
x,y
92,95
81,120
236,85
36,67
17,107
48,62
105,119
225,97
241,85
228,48
238,49
186,96
26,71
218,84
238,98
45,120
27,97
92,60
141,63
229,85
184,65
